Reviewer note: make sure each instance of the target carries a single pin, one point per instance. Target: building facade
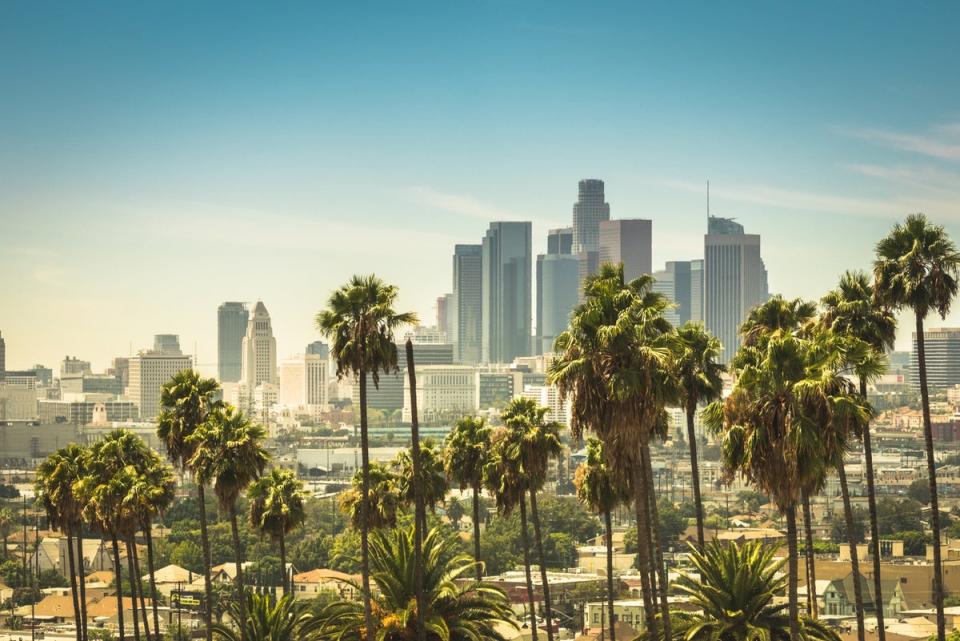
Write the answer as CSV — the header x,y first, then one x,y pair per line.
x,y
466,308
630,242
507,291
148,371
232,320
942,352
259,350
441,390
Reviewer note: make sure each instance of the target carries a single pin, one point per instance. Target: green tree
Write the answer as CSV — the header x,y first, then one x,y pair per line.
x,y
276,508
432,477
919,491
361,323
383,499
256,617
465,454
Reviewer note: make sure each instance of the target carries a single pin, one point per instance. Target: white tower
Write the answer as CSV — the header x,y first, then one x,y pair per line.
x,y
259,350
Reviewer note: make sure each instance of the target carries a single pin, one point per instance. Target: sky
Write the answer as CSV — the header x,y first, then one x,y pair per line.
x,y
157,159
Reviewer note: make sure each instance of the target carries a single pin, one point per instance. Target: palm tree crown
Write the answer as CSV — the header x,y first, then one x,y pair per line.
x,y
277,503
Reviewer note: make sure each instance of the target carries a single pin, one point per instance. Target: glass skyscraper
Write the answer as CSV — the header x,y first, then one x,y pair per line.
x,y
506,287
557,287
231,328
465,314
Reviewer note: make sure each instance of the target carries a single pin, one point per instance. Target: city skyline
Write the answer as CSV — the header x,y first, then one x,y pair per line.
x,y
169,156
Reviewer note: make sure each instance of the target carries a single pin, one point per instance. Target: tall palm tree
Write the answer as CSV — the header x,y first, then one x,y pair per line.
x,y
614,366
917,267
228,452
361,323
598,489
699,375
733,592
264,618
465,453
455,609
56,478
433,480
383,499
185,401
852,310
7,524
276,508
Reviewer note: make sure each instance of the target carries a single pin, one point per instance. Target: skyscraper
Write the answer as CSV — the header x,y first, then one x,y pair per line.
x,y
942,353
557,287
231,327
506,287
259,350
675,282
588,212
148,371
696,290
466,310
445,315
3,357
735,280
167,344
318,348
630,242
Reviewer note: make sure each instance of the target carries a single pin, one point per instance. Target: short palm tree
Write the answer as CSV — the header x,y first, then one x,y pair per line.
x,y
7,525
361,323
264,618
276,508
598,489
383,498
433,481
185,402
917,267
465,453
228,452
456,609
699,376
733,589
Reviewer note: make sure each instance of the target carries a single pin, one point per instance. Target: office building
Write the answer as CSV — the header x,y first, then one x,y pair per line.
x,y
167,344
91,384
388,395
148,371
3,356
548,396
43,374
560,241
942,351
73,365
696,290
495,387
466,310
558,279
318,348
675,282
232,320
80,409
735,280
589,211
259,350
507,296
445,314
442,391
120,367
628,241
304,381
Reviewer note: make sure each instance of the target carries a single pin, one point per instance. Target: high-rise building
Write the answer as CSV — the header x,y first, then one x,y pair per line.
x,y
148,371
444,314
259,350
628,241
387,396
696,290
318,348
3,356
589,211
466,311
558,280
232,320
506,286
942,352
167,344
73,365
303,381
675,282
735,280
120,367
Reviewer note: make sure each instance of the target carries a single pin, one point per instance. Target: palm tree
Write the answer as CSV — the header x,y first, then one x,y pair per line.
x,y
433,481
699,375
361,322
733,590
56,478
455,609
7,524
186,400
264,618
276,508
383,499
597,488
852,310
228,452
614,366
465,453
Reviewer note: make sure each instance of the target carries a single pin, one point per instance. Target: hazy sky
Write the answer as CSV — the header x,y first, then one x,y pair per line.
x,y
157,159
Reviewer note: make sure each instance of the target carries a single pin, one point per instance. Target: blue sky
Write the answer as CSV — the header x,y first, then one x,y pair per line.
x,y
158,159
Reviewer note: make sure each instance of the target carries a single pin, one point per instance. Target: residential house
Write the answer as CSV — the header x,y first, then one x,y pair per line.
x,y
308,585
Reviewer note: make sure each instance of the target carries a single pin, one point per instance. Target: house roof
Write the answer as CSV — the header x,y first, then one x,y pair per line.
x,y
172,574
107,606
100,576
321,575
845,587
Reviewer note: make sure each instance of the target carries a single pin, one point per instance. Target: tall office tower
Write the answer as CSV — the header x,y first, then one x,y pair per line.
x,y
259,363
232,320
148,371
318,348
558,281
588,212
466,312
942,351
506,287
3,356
73,365
696,290
735,280
674,282
167,344
630,242
303,381
444,316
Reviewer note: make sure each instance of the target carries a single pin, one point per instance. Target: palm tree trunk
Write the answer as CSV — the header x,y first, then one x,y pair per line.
x,y
932,474
643,534
119,582
476,528
365,497
73,583
695,470
148,534
139,584
524,539
791,514
658,545
132,580
611,595
811,558
874,527
283,564
852,541
205,544
419,510
82,572
241,596
538,539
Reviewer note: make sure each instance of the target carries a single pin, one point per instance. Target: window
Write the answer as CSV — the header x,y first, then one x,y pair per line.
x,y
596,618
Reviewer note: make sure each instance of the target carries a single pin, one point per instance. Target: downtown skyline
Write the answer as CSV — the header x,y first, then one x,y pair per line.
x,y
813,147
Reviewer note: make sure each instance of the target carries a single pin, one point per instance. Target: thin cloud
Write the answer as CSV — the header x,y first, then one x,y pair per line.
x,y
466,206
923,177
932,145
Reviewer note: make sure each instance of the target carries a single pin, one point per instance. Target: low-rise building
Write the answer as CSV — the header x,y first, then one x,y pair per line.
x,y
308,585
